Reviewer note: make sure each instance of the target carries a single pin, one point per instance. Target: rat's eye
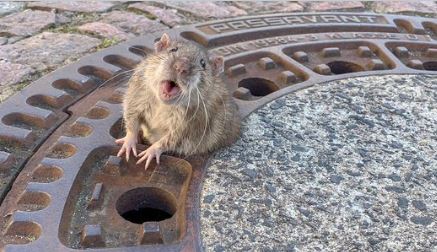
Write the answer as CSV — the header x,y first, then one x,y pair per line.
x,y
202,63
175,49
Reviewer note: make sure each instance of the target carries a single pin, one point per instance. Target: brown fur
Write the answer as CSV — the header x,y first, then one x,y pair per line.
x,y
201,123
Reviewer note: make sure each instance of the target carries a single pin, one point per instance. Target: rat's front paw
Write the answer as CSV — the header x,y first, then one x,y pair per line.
x,y
128,143
149,154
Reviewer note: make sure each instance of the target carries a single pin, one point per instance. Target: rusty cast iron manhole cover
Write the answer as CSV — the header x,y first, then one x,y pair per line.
x,y
63,189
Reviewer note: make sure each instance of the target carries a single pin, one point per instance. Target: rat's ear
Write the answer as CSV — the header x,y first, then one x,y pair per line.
x,y
217,64
163,43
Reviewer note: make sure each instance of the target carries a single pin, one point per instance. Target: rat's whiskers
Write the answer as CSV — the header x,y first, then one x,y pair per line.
x,y
115,76
180,97
197,108
188,104
206,119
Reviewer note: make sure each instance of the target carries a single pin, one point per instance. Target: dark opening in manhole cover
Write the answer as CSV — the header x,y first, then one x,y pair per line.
x,y
59,174
258,87
145,214
342,67
145,205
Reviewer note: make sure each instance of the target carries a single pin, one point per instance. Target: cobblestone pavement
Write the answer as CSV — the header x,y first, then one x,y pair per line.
x,y
23,26
342,166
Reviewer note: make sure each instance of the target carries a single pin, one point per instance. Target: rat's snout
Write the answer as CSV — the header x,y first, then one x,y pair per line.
x,y
182,66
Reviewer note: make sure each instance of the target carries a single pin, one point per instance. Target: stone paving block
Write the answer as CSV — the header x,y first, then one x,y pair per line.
x,y
208,9
3,40
426,7
12,73
63,18
104,30
26,23
335,6
80,6
167,16
35,52
132,23
8,7
268,6
14,39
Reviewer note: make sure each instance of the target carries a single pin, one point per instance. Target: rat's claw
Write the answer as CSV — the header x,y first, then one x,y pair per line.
x,y
149,154
129,143
120,141
121,151
134,151
127,153
149,159
143,156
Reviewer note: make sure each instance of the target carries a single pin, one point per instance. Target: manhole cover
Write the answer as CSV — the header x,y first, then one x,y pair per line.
x,y
63,189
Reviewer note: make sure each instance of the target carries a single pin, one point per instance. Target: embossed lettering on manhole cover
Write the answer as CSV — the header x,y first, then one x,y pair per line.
x,y
62,188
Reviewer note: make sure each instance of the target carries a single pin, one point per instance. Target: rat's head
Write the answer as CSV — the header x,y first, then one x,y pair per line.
x,y
184,67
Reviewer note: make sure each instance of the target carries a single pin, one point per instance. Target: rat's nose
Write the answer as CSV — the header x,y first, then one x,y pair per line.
x,y
182,66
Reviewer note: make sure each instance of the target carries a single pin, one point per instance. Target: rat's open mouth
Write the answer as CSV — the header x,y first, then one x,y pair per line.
x,y
169,90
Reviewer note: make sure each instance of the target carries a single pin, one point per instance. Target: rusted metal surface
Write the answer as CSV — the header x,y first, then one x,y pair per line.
x,y
58,134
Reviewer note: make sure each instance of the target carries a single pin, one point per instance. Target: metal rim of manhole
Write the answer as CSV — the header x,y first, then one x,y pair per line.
x,y
67,191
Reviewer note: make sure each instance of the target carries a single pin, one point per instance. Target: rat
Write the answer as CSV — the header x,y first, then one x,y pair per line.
x,y
179,103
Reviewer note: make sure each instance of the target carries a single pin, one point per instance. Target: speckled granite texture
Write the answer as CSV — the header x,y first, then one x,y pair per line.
x,y
349,165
